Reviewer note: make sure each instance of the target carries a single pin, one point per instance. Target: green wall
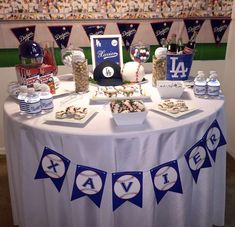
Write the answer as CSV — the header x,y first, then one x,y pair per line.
x,y
204,51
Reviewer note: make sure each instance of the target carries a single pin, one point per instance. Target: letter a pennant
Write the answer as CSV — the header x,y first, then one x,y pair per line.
x,y
166,178
89,182
127,186
197,158
54,166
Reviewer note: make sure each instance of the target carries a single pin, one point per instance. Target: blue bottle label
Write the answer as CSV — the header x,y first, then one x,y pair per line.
x,y
34,108
47,104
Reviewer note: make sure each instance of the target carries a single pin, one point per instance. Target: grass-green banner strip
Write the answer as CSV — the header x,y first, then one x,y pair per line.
x,y
204,51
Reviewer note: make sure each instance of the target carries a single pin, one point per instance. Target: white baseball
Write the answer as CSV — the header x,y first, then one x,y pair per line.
x,y
197,157
48,161
133,72
127,180
213,134
91,176
162,174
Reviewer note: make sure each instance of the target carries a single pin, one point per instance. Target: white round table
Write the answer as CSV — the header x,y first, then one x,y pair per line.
x,y
103,145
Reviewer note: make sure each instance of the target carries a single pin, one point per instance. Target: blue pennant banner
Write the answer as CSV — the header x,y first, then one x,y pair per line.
x,y
54,166
61,35
161,29
24,33
193,25
197,158
166,178
127,186
219,26
89,182
214,138
128,31
94,29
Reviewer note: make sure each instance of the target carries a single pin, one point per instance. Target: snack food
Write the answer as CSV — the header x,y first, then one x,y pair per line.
x,y
173,107
77,113
127,106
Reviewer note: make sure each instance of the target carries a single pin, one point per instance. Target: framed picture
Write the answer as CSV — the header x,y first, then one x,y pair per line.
x,y
106,48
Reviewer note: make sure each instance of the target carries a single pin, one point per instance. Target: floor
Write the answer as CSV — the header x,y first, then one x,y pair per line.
x,y
5,206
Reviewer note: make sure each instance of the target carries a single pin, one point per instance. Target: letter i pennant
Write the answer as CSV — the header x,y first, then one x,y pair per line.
x,y
54,166
127,186
89,182
166,178
197,158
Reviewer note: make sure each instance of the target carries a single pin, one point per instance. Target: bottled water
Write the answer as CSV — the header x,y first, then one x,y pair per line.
x,y
33,103
213,85
21,98
46,98
200,85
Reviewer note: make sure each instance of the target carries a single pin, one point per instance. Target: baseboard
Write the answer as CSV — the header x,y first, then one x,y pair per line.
x,y
2,151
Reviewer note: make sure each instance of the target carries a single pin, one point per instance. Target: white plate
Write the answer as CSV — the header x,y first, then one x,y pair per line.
x,y
177,115
52,118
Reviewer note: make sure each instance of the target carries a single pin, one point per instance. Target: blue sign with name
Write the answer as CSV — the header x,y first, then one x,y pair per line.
x,y
106,48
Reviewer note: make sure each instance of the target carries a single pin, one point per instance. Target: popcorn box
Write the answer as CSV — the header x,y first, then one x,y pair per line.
x,y
29,76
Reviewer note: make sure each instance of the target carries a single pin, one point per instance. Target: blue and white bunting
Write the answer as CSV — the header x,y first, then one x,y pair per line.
x,y
166,178
214,138
89,182
127,186
54,166
94,29
193,25
219,26
61,35
197,158
24,33
128,31
161,29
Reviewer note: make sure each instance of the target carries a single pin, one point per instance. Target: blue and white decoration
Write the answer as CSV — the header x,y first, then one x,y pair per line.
x,y
219,26
94,29
166,178
161,29
127,186
54,166
178,66
193,25
128,31
214,139
89,182
61,35
197,158
24,33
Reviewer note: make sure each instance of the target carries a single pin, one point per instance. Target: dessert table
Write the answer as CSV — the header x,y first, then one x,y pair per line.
x,y
101,144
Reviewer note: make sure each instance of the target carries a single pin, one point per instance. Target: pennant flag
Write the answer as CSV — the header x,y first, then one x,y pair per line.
x,y
127,186
166,178
214,138
89,182
24,33
197,158
193,25
219,26
161,29
94,29
61,35
128,31
54,166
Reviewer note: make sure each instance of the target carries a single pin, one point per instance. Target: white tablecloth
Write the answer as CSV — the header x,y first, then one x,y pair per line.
x,y
103,145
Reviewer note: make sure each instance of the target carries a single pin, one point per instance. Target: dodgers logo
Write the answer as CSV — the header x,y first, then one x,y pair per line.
x,y
178,68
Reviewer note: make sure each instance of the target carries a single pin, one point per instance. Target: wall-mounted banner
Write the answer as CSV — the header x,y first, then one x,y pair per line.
x,y
128,31
54,166
94,29
214,139
24,33
193,25
89,182
197,158
219,26
127,186
166,177
61,35
161,29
